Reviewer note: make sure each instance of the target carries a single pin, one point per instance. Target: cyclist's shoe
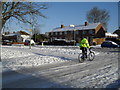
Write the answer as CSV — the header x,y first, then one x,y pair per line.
x,y
82,57
89,49
85,56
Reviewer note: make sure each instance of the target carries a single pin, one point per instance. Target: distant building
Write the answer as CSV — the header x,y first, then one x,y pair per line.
x,y
94,32
19,36
111,35
117,32
115,36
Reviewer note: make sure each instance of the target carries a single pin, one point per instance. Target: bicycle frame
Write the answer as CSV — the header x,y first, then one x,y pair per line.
x,y
90,55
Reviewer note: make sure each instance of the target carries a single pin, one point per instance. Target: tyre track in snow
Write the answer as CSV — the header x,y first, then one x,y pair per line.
x,y
74,66
75,74
71,72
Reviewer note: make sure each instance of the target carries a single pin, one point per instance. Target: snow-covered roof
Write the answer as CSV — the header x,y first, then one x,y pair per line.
x,y
110,34
23,33
11,34
77,27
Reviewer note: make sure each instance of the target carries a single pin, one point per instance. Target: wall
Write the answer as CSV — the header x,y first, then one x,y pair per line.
x,y
98,40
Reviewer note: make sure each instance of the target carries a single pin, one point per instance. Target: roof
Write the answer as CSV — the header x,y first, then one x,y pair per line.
x,y
23,33
117,31
110,34
11,34
77,27
15,34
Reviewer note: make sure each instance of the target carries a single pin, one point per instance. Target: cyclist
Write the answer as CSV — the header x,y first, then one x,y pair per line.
x,y
84,45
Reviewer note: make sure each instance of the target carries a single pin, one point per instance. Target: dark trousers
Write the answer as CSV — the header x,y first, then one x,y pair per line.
x,y
84,51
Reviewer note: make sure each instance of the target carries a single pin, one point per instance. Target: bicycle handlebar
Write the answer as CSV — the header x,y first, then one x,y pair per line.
x,y
90,49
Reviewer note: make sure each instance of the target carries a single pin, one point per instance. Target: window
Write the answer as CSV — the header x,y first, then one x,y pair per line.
x,y
84,32
51,33
91,31
66,32
56,33
71,32
77,32
60,33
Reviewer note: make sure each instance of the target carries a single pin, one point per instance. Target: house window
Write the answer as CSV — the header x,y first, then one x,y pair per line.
x,y
91,31
77,32
84,32
66,32
71,32
51,33
60,33
56,33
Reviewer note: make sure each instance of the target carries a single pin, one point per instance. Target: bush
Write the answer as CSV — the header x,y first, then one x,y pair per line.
x,y
94,43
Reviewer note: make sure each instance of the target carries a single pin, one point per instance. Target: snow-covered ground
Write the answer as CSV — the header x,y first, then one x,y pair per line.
x,y
99,73
17,56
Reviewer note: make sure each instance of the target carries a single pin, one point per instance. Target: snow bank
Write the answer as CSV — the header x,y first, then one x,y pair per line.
x,y
9,53
17,56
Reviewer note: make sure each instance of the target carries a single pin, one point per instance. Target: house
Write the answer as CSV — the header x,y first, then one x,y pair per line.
x,y
111,35
115,36
10,36
95,32
19,36
117,32
22,36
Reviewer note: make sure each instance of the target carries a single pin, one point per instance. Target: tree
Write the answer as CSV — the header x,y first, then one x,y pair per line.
x,y
22,11
36,32
96,15
39,37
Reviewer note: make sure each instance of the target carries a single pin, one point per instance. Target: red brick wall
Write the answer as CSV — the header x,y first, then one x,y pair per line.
x,y
98,40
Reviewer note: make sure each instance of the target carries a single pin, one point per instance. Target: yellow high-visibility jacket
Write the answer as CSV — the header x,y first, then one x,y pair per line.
x,y
84,43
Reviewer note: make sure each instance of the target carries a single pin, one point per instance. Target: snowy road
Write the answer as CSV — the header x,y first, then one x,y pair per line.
x,y
57,68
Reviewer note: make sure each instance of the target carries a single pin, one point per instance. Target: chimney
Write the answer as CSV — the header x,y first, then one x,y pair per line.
x,y
62,26
86,23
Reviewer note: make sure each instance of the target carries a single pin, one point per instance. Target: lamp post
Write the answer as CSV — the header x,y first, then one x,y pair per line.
x,y
74,32
30,38
74,36
31,25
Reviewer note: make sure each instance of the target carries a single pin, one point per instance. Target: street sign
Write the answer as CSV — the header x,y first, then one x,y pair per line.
x,y
30,30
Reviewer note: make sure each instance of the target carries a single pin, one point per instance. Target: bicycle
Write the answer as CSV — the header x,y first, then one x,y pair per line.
x,y
82,57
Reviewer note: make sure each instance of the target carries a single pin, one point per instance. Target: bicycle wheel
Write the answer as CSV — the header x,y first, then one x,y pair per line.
x,y
91,56
81,58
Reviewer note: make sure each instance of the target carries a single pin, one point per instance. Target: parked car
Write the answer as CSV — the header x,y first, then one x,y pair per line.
x,y
27,42
6,42
109,44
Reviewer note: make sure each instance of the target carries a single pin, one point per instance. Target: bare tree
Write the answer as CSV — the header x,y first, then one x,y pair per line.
x,y
98,15
21,11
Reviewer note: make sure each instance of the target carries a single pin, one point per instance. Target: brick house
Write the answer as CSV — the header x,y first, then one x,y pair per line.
x,y
94,32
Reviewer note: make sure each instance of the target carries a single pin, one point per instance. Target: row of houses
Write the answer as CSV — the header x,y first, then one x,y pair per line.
x,y
94,32
19,36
